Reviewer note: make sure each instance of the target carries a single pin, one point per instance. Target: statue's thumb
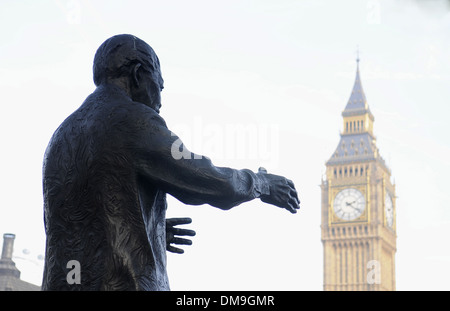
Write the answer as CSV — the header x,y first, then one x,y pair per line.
x,y
262,170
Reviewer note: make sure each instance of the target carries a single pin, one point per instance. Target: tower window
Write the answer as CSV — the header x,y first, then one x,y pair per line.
x,y
362,125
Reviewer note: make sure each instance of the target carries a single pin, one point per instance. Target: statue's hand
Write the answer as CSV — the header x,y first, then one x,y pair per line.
x,y
282,191
172,233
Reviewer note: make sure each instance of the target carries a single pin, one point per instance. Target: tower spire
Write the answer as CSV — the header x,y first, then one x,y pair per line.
x,y
357,100
357,115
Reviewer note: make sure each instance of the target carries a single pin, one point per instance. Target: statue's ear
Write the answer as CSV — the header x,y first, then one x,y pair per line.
x,y
135,74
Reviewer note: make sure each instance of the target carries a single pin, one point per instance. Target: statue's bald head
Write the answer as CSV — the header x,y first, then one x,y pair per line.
x,y
117,55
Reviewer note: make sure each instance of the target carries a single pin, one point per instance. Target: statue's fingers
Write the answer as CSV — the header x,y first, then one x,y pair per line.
x,y
181,241
179,231
295,201
178,221
294,195
175,250
292,206
290,183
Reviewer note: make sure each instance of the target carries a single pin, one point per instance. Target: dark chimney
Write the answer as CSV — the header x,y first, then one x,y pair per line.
x,y
8,245
7,265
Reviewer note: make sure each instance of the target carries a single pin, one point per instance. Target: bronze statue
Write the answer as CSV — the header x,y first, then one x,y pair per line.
x,y
106,173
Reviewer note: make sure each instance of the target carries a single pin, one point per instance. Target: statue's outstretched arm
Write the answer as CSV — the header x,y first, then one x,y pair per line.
x,y
164,161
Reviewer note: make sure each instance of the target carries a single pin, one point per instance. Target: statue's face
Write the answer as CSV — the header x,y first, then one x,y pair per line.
x,y
150,86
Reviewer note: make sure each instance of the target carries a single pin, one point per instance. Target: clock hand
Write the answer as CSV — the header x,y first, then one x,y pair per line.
x,y
351,205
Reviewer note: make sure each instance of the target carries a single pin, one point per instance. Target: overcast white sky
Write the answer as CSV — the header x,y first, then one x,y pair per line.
x,y
281,72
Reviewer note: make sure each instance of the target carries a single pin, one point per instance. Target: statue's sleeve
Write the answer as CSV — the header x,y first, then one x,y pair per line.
x,y
163,160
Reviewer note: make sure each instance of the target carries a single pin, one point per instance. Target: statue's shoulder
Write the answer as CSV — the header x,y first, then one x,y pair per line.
x,y
144,117
117,106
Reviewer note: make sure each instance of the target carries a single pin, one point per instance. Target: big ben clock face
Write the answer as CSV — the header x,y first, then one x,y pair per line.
x,y
389,210
349,204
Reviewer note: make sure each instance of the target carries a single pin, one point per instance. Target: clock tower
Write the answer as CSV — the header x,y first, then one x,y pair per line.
x,y
358,206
